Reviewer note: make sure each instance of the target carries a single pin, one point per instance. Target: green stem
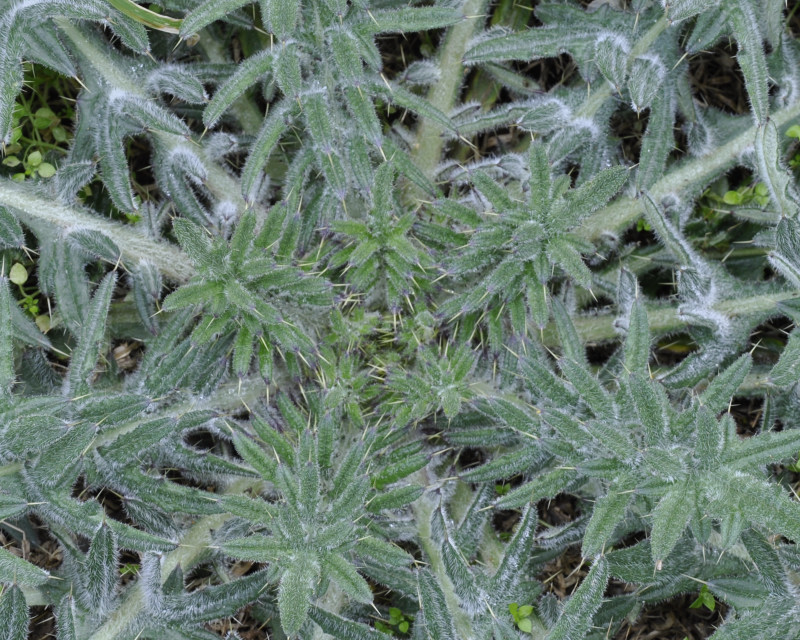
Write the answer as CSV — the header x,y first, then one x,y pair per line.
x,y
685,177
218,181
444,93
598,98
244,109
231,396
423,511
38,210
146,17
666,319
190,551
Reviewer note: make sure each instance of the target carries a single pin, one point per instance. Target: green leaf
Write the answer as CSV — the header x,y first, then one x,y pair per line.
x,y
344,629
96,244
262,461
13,614
745,592
647,74
382,551
659,138
344,574
280,16
591,195
130,445
505,465
517,552
409,19
208,12
563,253
571,343
651,405
394,498
637,340
65,618
576,618
751,57
6,339
84,356
435,613
678,10
786,371
275,125
666,232
611,58
527,45
256,548
587,386
11,506
719,392
11,235
113,162
608,512
547,485
776,178
669,519
710,439
147,285
71,285
765,448
100,571
765,555
58,461
295,590
407,100
14,570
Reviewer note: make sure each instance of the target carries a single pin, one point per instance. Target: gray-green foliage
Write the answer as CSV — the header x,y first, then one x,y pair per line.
x,y
361,309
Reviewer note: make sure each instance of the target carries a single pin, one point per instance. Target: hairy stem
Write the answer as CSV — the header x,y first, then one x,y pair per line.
x,y
218,181
423,511
39,210
685,177
192,547
443,94
597,98
666,319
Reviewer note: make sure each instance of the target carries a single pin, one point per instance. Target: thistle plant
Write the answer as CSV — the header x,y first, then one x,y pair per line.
x,y
371,267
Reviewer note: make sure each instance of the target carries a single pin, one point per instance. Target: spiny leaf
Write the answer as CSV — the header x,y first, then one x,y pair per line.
x,y
281,16
659,138
669,519
344,574
294,592
412,19
13,614
786,371
751,57
11,235
576,618
608,512
438,621
208,12
84,356
719,392
646,77
342,628
774,175
275,125
6,338
100,571
65,618
637,341
14,570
